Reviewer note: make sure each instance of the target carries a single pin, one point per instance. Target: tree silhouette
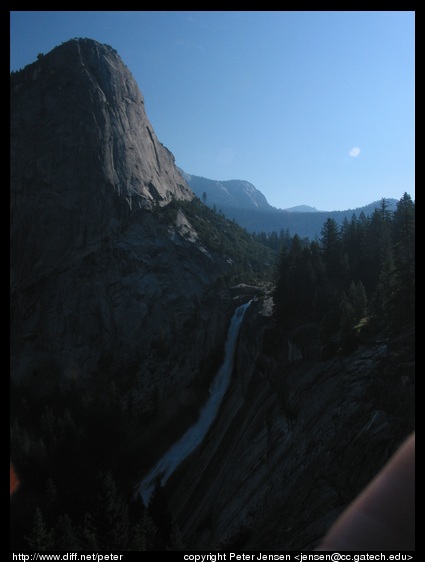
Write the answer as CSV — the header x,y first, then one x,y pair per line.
x,y
112,522
40,538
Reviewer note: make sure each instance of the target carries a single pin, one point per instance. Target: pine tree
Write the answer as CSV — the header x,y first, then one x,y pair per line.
x,y
40,538
144,534
385,289
378,248
112,516
403,304
347,317
332,248
65,535
87,535
358,299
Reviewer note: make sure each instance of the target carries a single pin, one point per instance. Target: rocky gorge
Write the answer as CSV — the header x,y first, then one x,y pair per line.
x,y
298,437
117,278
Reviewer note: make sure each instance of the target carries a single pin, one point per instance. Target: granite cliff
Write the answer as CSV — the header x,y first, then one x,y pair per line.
x,y
98,280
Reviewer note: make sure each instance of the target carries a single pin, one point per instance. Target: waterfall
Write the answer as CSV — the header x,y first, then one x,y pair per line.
x,y
196,433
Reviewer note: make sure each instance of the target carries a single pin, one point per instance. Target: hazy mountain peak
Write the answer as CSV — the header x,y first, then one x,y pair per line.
x,y
239,194
302,209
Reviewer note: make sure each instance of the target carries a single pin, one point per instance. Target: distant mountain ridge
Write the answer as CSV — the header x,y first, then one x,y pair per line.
x,y
302,209
241,201
230,193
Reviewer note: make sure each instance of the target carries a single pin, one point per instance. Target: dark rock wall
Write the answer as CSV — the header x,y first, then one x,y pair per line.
x,y
296,440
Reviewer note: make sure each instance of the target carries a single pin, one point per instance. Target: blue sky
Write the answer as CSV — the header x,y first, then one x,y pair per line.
x,y
313,107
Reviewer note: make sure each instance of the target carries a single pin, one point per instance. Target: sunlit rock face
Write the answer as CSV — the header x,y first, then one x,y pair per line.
x,y
83,155
97,281
79,127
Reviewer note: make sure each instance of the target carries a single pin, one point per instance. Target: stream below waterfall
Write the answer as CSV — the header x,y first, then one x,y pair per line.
x,y
193,437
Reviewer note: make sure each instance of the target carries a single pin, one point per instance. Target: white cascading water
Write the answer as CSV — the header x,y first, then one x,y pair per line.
x,y
195,434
